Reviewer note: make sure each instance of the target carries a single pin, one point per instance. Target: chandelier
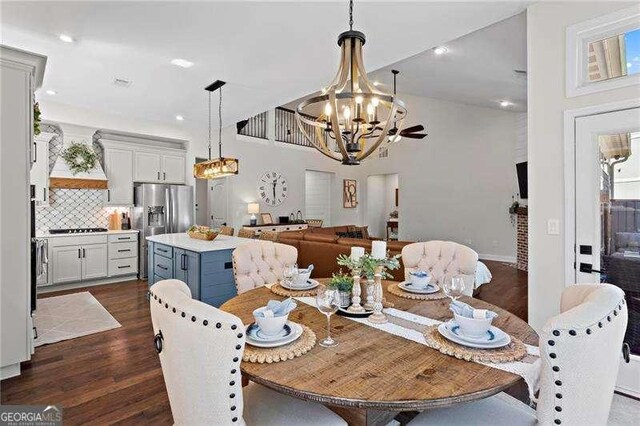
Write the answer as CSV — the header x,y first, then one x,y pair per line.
x,y
350,118
217,167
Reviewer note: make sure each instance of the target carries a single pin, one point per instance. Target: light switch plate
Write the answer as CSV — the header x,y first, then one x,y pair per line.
x,y
553,227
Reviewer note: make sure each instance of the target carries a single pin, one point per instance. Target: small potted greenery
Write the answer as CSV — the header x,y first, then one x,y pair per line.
x,y
344,284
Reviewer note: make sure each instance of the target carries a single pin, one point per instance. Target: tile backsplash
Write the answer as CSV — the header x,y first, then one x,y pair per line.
x,y
71,208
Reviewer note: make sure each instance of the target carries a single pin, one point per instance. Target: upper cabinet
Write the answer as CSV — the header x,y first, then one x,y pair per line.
x,y
39,175
161,166
118,166
148,167
173,168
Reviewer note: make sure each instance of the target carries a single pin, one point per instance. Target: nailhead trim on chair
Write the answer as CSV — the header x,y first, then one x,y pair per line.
x,y
218,325
553,355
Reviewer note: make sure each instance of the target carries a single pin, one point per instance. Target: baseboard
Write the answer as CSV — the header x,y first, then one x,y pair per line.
x,y
80,284
9,371
497,258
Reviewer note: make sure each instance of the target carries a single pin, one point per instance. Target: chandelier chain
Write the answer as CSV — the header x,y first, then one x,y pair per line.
x,y
350,15
220,125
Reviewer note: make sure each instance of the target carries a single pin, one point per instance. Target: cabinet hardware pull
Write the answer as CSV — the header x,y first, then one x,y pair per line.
x,y
123,267
123,250
158,175
183,262
44,194
79,254
163,267
162,250
84,254
164,175
35,152
123,238
108,195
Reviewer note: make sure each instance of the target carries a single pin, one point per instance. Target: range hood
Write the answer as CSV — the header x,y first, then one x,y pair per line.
x,y
62,176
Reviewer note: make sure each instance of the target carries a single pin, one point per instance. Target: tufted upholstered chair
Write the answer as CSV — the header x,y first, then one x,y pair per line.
x,y
260,262
443,259
200,353
226,230
580,351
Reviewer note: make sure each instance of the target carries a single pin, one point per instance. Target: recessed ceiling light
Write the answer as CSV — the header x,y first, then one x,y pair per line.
x,y
505,104
179,118
51,92
440,50
66,38
182,63
376,83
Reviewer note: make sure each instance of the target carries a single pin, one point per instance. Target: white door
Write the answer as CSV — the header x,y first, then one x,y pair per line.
x,y
118,164
147,167
94,261
218,202
607,222
317,196
173,168
67,264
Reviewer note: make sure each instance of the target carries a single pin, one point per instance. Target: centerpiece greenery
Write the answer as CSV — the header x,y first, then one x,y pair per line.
x,y
36,119
341,282
79,157
367,264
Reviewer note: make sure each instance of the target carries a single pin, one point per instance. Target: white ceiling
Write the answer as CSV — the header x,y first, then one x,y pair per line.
x,y
477,69
268,52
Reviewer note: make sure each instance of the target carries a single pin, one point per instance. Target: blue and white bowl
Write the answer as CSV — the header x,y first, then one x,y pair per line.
x,y
270,326
420,279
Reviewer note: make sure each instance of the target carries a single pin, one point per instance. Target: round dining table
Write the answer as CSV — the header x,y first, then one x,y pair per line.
x,y
372,375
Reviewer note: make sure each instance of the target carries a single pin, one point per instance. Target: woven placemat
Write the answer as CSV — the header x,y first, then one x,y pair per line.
x,y
514,351
394,289
282,353
281,291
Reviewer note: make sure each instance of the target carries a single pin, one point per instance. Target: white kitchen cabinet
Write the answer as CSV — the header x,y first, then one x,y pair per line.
x,y
39,175
67,264
118,164
94,261
148,166
173,168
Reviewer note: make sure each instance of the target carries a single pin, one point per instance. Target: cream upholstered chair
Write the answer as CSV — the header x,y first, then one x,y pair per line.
x,y
580,351
260,262
443,259
226,230
200,349
246,233
269,236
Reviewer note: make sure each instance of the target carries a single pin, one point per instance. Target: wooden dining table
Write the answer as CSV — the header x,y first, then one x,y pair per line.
x,y
372,375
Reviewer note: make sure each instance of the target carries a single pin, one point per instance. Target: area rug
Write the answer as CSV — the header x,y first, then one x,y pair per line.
x,y
69,316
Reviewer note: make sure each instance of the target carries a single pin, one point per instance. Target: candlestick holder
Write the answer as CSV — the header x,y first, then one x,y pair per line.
x,y
377,317
355,293
368,305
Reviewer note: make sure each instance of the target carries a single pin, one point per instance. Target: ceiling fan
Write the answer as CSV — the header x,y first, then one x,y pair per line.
x,y
410,132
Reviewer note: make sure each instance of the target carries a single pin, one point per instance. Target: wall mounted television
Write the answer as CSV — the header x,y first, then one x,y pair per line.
x,y
523,180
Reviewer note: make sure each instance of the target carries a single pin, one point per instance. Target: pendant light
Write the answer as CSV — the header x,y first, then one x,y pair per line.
x,y
217,167
356,116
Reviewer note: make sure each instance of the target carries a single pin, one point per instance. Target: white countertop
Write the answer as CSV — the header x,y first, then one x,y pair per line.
x,y
183,241
82,234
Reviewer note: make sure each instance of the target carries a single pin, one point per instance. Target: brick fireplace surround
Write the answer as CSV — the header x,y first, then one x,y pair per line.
x,y
522,232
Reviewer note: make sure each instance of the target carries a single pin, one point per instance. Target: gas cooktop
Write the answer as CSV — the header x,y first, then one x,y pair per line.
x,y
77,230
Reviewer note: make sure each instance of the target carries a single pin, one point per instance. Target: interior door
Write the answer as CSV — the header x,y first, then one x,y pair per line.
x,y
94,261
607,246
67,264
218,202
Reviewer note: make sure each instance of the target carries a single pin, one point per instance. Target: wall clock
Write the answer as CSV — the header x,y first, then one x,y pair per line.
x,y
272,188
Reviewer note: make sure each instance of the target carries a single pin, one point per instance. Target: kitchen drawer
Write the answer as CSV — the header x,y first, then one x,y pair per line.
x,y
119,238
123,266
163,267
123,250
162,250
77,240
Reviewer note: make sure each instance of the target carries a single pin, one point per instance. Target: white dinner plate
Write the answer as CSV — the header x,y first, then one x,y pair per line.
x,y
286,338
505,339
309,285
407,286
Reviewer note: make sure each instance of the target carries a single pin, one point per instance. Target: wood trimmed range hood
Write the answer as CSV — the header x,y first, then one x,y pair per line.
x,y
62,177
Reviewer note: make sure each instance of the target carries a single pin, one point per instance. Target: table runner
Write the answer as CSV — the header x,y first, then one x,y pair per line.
x,y
407,325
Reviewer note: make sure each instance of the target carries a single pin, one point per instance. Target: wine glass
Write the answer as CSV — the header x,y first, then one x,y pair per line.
x,y
289,273
327,301
454,287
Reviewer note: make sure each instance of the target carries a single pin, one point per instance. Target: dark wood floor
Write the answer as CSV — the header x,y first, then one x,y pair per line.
x,y
115,377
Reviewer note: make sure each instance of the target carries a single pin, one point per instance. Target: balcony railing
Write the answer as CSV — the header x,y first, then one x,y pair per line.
x,y
255,127
287,128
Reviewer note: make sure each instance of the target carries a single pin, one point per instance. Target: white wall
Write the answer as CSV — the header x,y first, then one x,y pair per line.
x,y
457,183
546,26
381,191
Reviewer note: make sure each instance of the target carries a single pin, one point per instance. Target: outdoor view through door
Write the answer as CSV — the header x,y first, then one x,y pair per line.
x,y
608,216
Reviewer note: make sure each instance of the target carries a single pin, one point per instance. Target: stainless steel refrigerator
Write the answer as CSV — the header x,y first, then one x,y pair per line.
x,y
160,209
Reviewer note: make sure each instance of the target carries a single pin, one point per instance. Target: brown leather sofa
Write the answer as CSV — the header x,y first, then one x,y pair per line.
x,y
322,249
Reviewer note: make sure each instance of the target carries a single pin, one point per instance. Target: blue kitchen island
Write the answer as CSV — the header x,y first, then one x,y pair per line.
x,y
205,266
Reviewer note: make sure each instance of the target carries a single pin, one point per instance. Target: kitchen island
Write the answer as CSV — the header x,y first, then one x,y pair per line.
x,y
205,266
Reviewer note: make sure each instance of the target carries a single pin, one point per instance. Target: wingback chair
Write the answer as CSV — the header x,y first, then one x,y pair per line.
x,y
261,262
200,349
443,259
580,351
